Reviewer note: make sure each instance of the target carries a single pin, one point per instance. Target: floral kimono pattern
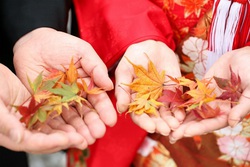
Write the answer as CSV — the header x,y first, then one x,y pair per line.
x,y
224,147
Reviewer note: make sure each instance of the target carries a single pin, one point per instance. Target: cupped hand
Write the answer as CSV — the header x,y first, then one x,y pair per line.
x,y
46,48
15,136
164,59
229,114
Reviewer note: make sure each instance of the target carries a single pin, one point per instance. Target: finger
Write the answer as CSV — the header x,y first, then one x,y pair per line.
x,y
92,120
96,126
161,126
104,108
58,123
75,140
179,114
37,142
166,115
94,67
179,133
144,121
72,118
239,111
42,127
123,76
201,127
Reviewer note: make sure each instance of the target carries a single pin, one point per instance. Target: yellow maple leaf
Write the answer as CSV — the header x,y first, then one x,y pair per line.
x,y
42,95
148,81
202,94
144,105
182,81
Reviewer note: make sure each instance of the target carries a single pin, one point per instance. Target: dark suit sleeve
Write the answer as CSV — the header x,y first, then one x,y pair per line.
x,y
18,17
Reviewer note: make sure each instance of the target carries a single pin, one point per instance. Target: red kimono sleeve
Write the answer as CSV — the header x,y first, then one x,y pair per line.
x,y
110,26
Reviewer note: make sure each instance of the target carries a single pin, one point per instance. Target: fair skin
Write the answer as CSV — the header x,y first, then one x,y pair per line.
x,y
239,62
46,48
15,136
164,59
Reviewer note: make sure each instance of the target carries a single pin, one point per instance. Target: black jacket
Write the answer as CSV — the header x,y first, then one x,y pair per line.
x,y
18,17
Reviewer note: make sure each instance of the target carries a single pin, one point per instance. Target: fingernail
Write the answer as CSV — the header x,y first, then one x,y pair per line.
x,y
15,136
118,110
172,140
233,123
164,134
121,108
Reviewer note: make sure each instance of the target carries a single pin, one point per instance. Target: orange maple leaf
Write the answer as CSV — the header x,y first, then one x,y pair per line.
x,y
55,74
71,72
148,81
89,89
201,94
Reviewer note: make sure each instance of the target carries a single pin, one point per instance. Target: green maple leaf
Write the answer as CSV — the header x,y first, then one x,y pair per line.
x,y
68,93
37,83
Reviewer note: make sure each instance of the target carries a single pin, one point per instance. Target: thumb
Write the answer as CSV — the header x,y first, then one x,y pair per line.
x,y
10,125
95,67
239,111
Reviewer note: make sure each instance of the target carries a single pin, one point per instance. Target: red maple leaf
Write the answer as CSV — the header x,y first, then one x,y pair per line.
x,y
232,88
27,112
174,97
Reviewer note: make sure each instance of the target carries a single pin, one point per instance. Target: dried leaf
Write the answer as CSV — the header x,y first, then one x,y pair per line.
x,y
144,105
90,89
232,88
202,94
174,97
28,112
148,81
36,84
205,111
50,94
71,73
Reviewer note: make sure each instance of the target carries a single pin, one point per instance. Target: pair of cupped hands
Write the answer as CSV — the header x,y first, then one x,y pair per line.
x,y
48,48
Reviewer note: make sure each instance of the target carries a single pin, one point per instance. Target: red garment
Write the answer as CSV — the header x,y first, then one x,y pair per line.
x,y
110,26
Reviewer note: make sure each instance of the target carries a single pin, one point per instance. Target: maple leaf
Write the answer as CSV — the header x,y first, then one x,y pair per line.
x,y
148,81
55,74
68,93
36,84
205,111
175,97
57,90
143,104
89,89
232,88
28,111
182,81
42,92
202,94
71,72
54,103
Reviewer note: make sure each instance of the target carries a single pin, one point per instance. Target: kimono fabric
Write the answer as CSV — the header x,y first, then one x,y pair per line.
x,y
199,32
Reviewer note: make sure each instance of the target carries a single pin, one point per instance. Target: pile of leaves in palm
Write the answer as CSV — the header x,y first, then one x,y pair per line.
x,y
151,89
51,93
